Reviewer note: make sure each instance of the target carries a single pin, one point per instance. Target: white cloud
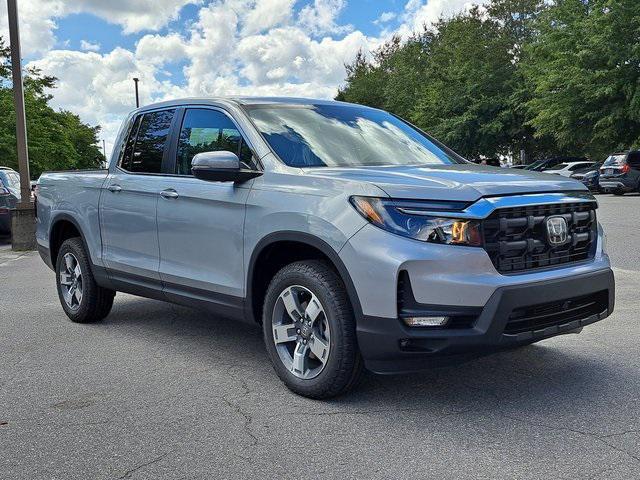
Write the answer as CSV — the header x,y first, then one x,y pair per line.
x,y
89,47
37,23
321,17
158,49
385,17
266,14
419,13
38,17
133,16
234,47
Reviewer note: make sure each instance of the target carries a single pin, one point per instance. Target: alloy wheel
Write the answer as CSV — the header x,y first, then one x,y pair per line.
x,y
301,332
71,281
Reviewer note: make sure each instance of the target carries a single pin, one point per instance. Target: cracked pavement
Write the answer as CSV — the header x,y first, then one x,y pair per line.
x,y
160,391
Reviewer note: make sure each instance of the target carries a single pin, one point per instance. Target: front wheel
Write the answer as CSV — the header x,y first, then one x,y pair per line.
x,y
82,299
309,330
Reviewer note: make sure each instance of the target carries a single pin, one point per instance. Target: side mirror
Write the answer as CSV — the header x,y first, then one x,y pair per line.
x,y
220,167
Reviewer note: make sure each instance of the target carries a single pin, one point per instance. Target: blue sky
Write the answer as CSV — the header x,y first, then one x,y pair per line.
x,y
182,48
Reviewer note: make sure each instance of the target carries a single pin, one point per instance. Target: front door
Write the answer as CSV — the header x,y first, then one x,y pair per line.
x,y
129,201
201,223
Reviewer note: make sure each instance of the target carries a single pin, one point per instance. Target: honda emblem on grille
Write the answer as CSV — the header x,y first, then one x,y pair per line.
x,y
557,231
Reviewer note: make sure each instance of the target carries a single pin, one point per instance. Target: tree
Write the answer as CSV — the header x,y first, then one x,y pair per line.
x,y
458,81
553,77
58,140
465,100
584,67
365,83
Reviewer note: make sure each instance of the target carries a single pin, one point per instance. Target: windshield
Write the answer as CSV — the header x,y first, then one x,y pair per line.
x,y
344,136
560,166
615,160
535,164
10,179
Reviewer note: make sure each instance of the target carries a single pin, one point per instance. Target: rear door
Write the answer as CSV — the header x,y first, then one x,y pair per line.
x,y
201,223
129,200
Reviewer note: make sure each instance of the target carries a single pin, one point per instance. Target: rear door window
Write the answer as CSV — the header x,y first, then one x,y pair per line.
x,y
147,141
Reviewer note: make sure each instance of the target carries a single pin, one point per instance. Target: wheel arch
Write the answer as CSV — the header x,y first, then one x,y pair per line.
x,y
62,228
299,246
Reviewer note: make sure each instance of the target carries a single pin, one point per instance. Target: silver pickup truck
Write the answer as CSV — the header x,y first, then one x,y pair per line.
x,y
355,239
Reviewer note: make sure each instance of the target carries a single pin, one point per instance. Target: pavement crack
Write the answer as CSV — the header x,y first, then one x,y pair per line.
x,y
595,436
235,404
619,434
133,470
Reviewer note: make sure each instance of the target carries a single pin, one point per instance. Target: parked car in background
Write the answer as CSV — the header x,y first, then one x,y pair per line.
x,y
491,162
567,169
9,196
589,176
546,163
620,173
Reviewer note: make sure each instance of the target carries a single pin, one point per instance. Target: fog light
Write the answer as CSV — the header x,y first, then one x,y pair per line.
x,y
426,321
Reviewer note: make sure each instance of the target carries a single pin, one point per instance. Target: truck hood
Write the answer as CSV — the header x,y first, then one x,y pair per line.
x,y
467,182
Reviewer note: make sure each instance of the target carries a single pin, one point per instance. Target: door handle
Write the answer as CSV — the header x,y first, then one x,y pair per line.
x,y
114,188
169,193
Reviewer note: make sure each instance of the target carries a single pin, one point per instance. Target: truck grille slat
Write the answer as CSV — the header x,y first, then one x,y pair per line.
x,y
516,238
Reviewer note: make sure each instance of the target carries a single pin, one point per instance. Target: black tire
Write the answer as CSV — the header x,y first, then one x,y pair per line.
x,y
344,365
96,301
618,193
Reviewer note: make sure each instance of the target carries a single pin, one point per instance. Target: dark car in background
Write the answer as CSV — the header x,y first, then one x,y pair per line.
x,y
9,196
620,173
492,162
589,176
547,163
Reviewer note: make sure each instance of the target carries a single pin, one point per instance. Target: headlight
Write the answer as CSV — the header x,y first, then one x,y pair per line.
x,y
409,219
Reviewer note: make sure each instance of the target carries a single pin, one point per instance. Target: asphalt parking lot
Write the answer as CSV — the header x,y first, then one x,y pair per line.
x,y
160,391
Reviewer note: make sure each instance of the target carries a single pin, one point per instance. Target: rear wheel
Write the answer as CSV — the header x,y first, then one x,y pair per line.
x,y
618,192
82,299
309,330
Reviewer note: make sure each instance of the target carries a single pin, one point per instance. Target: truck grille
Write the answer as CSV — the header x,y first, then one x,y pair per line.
x,y
544,315
516,238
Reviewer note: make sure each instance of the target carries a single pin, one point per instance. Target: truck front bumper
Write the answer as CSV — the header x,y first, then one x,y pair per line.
x,y
452,281
389,346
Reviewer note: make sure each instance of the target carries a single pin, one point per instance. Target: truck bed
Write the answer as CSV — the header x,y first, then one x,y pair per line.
x,y
73,195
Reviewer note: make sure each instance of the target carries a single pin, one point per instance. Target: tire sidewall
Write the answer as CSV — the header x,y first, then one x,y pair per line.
x,y
287,278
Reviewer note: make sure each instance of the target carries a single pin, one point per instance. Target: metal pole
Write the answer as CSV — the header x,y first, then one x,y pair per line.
x,y
18,98
136,80
104,149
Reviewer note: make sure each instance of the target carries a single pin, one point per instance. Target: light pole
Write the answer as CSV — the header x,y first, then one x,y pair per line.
x,y
135,81
23,217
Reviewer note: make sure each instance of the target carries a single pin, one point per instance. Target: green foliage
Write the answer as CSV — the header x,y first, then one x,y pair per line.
x,y
551,77
465,99
585,69
57,140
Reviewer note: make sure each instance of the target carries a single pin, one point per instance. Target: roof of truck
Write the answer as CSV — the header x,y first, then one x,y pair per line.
x,y
245,101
